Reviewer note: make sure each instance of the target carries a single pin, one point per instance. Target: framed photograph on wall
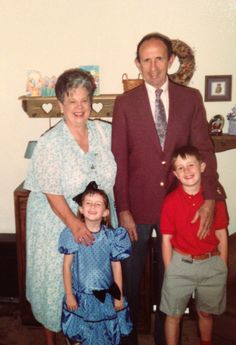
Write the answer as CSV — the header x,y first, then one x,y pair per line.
x,y
218,88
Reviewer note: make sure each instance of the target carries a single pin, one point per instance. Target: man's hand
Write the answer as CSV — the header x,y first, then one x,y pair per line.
x,y
127,221
205,213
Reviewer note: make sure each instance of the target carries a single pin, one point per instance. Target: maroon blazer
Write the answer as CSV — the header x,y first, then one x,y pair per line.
x,y
144,174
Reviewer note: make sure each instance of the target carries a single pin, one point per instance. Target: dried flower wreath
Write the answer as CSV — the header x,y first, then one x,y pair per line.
x,y
186,60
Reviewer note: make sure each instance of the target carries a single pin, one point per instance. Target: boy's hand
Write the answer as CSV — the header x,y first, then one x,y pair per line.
x,y
118,304
71,302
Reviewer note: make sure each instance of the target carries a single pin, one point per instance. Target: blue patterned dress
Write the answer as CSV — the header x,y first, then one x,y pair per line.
x,y
95,322
60,167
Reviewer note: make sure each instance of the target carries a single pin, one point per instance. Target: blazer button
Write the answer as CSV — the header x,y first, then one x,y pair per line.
x,y
163,162
162,184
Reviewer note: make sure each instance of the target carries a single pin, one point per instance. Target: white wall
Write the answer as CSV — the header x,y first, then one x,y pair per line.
x,y
53,35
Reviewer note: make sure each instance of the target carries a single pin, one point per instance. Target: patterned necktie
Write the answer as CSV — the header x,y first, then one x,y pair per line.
x,y
160,118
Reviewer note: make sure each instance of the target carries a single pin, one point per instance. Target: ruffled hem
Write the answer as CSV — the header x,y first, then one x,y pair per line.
x,y
95,322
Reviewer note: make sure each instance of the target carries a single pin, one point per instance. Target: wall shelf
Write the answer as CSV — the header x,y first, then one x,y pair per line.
x,y
47,107
224,142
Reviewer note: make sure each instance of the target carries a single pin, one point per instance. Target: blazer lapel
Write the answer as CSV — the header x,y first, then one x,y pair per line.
x,y
172,118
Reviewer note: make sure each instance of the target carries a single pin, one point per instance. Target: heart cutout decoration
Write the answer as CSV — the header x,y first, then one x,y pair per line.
x,y
97,107
47,107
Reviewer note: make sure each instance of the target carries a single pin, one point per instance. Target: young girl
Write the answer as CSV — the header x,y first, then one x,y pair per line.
x,y
95,310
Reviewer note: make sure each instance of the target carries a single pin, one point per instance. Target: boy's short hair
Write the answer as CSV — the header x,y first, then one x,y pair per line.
x,y
185,151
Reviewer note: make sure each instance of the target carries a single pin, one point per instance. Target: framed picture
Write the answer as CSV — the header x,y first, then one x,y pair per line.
x,y
218,88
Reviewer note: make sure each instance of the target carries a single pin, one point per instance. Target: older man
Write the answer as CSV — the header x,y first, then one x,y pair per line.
x,y
149,123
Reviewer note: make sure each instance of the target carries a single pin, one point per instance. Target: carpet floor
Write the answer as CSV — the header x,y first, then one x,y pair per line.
x,y
12,332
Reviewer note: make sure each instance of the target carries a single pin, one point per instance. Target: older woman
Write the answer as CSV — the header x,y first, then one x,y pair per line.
x,y
67,157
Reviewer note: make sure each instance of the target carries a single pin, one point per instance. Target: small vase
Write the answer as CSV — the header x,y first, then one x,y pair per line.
x,y
232,127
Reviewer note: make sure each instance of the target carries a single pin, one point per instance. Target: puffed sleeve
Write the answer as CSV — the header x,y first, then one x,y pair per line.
x,y
120,244
67,244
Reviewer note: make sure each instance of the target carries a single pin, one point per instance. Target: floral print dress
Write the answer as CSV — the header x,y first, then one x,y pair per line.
x,y
60,167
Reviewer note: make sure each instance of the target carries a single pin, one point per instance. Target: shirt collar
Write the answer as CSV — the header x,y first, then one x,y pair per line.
x,y
191,196
152,89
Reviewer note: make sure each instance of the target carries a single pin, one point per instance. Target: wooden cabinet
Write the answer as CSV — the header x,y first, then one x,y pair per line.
x,y
47,107
8,268
20,199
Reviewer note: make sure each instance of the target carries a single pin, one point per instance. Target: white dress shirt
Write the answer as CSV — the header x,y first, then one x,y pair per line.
x,y
164,97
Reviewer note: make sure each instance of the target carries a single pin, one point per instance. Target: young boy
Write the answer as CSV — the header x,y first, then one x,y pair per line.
x,y
192,264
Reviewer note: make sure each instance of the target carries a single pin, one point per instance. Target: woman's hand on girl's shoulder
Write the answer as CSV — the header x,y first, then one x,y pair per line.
x,y
82,234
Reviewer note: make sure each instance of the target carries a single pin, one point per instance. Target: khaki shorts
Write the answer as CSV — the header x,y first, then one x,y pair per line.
x,y
205,278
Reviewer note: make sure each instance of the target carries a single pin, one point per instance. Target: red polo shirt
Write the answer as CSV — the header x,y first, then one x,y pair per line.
x,y
178,210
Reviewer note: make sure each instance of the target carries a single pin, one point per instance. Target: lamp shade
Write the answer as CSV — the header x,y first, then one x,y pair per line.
x,y
30,148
